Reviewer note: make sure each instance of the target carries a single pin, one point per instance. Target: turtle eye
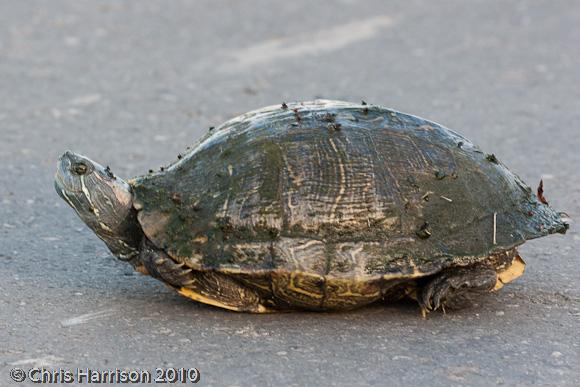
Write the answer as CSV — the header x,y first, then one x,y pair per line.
x,y
79,169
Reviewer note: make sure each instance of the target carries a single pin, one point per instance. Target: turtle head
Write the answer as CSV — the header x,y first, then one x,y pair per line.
x,y
102,200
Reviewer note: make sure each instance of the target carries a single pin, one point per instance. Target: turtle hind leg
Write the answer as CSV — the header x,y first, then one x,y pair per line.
x,y
456,287
205,286
220,290
214,288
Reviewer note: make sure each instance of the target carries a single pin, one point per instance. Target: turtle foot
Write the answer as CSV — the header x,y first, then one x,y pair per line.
x,y
456,288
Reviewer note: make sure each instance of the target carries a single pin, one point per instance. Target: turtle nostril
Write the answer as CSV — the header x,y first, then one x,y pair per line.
x,y
67,155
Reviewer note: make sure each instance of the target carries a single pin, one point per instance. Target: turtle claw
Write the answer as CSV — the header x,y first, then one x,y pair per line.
x,y
440,293
453,287
432,294
425,299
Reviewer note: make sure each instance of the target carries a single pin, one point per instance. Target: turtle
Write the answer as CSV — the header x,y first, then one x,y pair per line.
x,y
321,205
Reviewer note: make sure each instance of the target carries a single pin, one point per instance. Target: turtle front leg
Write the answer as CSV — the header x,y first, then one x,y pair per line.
x,y
456,287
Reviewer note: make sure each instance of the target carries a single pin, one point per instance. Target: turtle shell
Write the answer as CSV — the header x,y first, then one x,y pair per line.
x,y
336,189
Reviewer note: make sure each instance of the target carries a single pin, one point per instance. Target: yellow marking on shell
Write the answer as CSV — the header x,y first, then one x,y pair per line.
x,y
200,239
194,260
426,195
417,148
306,245
238,270
369,185
190,293
415,274
341,171
414,266
350,293
299,248
495,228
353,253
366,295
224,211
261,286
389,223
225,206
297,181
510,273
296,289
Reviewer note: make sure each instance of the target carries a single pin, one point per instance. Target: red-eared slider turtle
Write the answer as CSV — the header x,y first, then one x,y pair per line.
x,y
319,205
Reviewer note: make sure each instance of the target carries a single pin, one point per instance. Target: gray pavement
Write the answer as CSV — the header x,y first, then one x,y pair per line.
x,y
131,84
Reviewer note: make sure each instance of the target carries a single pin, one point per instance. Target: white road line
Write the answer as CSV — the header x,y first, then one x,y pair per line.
x,y
311,43
84,318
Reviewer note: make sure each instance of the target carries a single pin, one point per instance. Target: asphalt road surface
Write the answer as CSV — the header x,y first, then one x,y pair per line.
x,y
131,84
